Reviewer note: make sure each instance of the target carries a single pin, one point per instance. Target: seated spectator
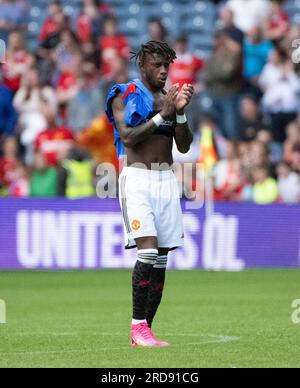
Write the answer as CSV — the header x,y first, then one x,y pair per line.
x,y
186,70
256,54
19,188
52,41
66,87
293,138
68,57
223,79
277,23
91,53
54,143
105,9
68,61
89,102
275,150
251,119
119,74
229,178
288,45
89,22
8,164
265,188
8,114
52,24
113,46
288,183
44,179
258,154
157,30
282,87
17,61
226,21
243,152
295,158
34,103
249,13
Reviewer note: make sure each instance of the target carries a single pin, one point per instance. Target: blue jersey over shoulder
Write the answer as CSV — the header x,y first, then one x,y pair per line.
x,y
139,103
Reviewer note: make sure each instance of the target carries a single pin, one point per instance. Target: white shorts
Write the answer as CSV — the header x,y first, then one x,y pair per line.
x,y
150,205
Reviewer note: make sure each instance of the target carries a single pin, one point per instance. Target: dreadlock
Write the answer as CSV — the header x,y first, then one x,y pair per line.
x,y
154,47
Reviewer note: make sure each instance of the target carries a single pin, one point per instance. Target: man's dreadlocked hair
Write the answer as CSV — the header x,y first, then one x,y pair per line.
x,y
155,47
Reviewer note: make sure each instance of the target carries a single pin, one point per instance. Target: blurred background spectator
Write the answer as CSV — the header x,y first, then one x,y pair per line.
x,y
8,115
62,59
44,179
13,16
223,78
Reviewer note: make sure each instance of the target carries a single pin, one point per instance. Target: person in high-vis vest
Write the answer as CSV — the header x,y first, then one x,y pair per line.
x,y
79,181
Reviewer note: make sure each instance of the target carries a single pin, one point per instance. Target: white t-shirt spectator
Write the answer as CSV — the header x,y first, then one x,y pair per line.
x,y
281,91
249,13
32,119
289,188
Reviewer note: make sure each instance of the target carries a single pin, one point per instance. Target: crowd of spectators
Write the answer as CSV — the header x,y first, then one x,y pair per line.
x,y
53,130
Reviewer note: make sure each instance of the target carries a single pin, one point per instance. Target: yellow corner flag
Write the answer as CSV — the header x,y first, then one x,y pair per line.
x,y
209,156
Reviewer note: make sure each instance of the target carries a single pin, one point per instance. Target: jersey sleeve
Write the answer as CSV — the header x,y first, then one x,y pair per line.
x,y
135,111
111,95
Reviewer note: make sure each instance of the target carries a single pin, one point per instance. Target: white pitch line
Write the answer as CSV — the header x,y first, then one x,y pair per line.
x,y
75,334
217,339
45,352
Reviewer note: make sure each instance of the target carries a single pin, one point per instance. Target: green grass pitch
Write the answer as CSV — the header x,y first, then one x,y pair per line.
x,y
82,319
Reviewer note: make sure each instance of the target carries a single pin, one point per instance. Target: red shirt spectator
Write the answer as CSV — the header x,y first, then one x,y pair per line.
x,y
113,46
13,70
49,28
105,9
8,162
66,81
84,28
54,21
17,61
89,22
186,67
278,22
54,144
7,170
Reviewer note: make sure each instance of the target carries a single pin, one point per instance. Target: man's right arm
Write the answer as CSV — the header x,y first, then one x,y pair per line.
x,y
131,136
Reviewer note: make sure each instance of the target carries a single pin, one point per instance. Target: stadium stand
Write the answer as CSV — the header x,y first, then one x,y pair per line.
x,y
257,136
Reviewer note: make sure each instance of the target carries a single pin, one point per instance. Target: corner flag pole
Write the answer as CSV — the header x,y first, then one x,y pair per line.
x,y
209,196
208,160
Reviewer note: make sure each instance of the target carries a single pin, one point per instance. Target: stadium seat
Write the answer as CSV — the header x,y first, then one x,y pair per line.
x,y
131,26
296,18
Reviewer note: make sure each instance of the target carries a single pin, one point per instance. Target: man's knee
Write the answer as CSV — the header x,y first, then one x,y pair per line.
x,y
146,243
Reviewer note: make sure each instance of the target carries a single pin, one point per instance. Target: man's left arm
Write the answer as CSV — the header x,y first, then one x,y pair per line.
x,y
183,134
